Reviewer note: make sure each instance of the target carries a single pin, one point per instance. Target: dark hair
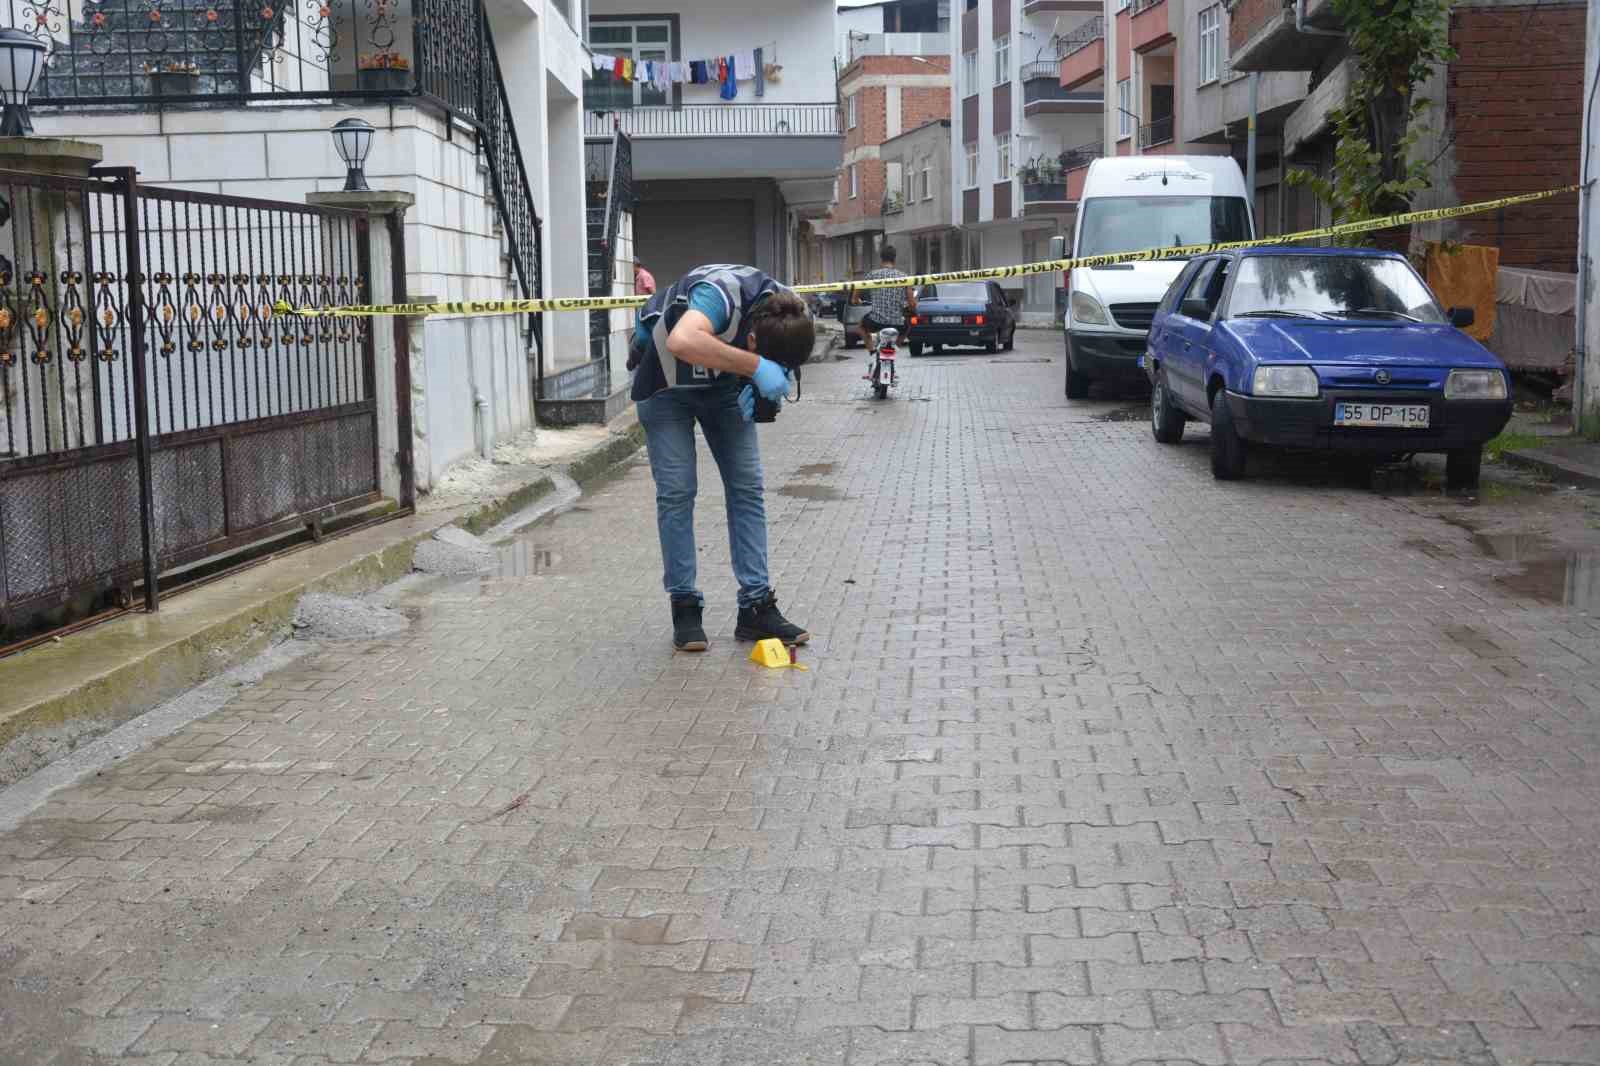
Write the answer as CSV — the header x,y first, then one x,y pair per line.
x,y
783,328
890,253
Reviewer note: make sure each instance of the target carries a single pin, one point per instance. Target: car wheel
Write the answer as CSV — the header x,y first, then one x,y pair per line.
x,y
1166,421
1011,340
1462,468
1077,384
993,344
915,350
1227,447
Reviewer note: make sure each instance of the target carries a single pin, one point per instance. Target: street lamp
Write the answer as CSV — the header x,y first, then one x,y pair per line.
x,y
353,139
21,63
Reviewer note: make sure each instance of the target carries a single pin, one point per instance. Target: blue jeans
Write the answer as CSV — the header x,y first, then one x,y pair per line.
x,y
668,418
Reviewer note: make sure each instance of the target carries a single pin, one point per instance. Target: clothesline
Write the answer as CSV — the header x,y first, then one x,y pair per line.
x,y
726,71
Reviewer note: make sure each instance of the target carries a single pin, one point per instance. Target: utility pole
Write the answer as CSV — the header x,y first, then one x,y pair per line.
x,y
1113,101
1586,346
1250,148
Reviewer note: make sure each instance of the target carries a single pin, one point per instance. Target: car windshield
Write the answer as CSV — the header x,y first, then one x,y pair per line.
x,y
1347,287
967,291
1129,223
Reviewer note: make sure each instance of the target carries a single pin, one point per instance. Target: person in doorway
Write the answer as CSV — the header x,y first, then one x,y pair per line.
x,y
702,351
644,283
889,305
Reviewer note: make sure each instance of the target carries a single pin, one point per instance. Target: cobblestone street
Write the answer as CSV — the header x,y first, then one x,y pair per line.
x,y
1095,760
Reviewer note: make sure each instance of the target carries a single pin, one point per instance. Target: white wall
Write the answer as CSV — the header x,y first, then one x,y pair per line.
x,y
799,35
1588,404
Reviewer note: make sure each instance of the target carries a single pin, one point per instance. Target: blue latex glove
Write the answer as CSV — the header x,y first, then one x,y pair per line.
x,y
771,380
747,403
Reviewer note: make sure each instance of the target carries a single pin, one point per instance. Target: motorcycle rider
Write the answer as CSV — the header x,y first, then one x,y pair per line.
x,y
889,305
703,348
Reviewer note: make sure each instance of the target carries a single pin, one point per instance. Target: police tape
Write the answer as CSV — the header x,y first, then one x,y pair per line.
x,y
1049,266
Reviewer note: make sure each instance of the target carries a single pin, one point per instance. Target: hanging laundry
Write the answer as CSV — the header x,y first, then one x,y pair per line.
x,y
774,72
746,63
730,82
761,75
698,72
629,70
722,68
663,79
604,63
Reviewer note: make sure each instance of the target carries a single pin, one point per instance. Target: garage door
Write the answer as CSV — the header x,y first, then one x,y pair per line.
x,y
672,237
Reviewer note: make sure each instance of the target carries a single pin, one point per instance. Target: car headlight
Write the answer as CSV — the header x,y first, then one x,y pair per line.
x,y
1475,385
1299,382
1086,310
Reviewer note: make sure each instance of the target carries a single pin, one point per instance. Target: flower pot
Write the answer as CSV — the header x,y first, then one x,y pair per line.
x,y
384,79
174,83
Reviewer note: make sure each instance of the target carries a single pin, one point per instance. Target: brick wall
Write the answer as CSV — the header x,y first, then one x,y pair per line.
x,y
1248,18
1515,102
918,106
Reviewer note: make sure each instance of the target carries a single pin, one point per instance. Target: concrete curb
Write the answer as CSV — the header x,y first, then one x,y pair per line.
x,y
58,695
1554,469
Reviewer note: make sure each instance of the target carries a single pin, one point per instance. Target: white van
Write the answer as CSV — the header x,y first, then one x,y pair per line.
x,y
1130,203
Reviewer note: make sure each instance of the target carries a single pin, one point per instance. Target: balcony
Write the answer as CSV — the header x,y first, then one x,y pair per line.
x,y
1263,36
1150,27
1056,7
1156,133
1046,195
893,205
718,120
1083,54
1046,96
897,44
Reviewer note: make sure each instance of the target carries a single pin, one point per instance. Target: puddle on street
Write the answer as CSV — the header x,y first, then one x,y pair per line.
x,y
523,558
1549,575
811,492
815,469
1131,413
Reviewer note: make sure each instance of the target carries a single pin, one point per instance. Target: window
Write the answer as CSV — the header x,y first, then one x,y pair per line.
x,y
1002,59
1124,108
1210,44
855,182
1200,287
638,40
850,110
1122,5
969,73
907,192
971,175
974,249
1002,165
1127,223
927,179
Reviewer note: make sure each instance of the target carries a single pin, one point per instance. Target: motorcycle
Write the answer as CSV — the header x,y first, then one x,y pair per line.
x,y
880,363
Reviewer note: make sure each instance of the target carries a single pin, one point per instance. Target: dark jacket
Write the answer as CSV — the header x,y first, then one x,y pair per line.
x,y
743,287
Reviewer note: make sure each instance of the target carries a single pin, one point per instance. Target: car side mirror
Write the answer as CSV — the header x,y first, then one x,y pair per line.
x,y
1462,317
1195,308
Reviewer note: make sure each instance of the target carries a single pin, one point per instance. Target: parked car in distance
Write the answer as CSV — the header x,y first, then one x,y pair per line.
x,y
1337,349
850,316
958,313
824,304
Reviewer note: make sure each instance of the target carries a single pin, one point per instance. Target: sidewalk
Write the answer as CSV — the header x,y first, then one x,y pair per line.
x,y
58,695
1559,454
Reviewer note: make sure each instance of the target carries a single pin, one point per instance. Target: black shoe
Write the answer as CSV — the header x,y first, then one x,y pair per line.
x,y
687,632
765,622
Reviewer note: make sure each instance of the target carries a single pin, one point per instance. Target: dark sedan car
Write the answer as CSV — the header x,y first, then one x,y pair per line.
x,y
1335,349
970,313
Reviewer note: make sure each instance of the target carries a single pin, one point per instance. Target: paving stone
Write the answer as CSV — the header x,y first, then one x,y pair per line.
x,y
1097,761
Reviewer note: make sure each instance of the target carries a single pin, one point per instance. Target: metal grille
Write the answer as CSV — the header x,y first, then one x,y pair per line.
x,y
144,371
1134,316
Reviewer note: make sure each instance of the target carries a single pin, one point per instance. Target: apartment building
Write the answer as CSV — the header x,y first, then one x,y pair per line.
x,y
917,215
723,171
883,97
1013,121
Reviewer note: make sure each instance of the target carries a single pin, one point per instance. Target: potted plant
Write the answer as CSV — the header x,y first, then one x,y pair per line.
x,y
173,79
384,72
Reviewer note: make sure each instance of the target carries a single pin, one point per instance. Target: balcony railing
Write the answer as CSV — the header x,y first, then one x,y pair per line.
x,y
1042,70
898,44
1082,37
1082,155
1052,92
1156,133
1044,191
893,205
718,120
1145,5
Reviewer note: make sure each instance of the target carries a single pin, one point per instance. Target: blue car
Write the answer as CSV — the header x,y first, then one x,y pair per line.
x,y
1333,349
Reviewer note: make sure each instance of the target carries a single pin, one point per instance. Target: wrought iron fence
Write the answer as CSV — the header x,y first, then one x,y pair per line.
x,y
1082,37
1047,69
1157,132
603,266
1044,191
717,120
156,410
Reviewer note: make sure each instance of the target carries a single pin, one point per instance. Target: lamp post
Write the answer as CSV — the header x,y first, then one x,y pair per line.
x,y
21,62
352,137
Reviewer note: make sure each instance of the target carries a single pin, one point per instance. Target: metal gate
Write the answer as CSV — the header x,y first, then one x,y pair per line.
x,y
154,410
